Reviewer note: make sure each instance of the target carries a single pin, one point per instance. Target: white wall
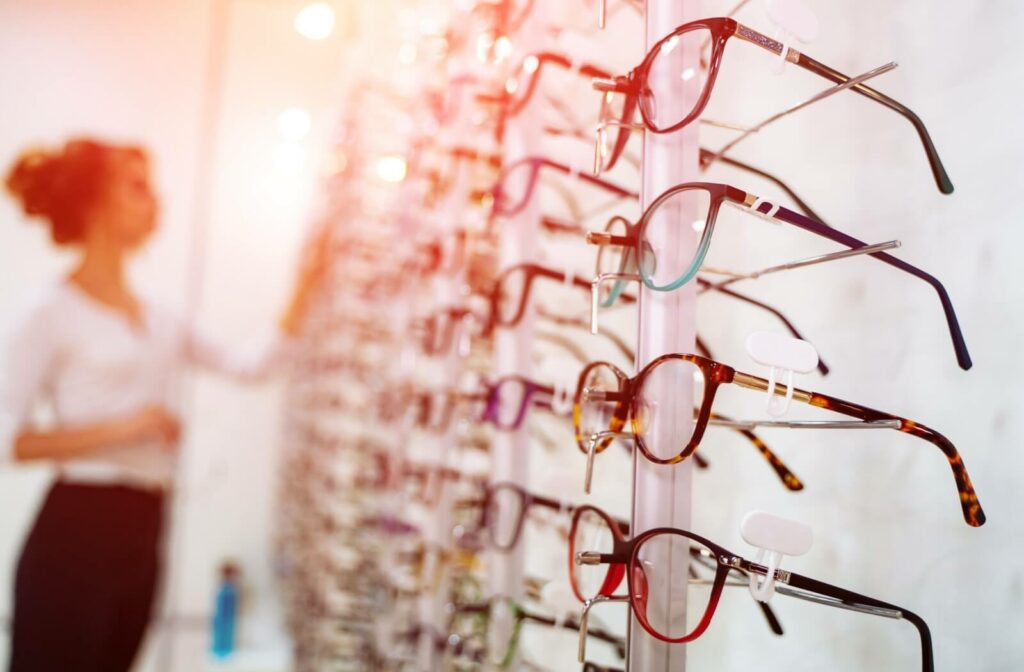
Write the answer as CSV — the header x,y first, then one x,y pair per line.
x,y
135,71
884,506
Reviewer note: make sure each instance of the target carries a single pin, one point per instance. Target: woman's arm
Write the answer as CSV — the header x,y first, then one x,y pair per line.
x,y
258,360
149,424
312,267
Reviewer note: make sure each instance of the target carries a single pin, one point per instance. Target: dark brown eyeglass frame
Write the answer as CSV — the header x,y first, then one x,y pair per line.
x,y
625,558
622,413
716,374
722,29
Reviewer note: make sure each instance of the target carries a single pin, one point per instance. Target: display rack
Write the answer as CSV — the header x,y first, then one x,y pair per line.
x,y
667,323
511,451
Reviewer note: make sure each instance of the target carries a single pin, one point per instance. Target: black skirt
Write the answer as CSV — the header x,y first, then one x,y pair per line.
x,y
86,579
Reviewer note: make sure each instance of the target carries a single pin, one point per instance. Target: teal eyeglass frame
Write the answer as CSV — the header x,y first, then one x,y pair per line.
x,y
633,242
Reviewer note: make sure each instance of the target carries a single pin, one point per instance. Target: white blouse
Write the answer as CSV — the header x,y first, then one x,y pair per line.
x,y
89,363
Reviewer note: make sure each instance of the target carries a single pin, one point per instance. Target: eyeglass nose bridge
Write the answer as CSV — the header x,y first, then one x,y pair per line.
x,y
585,617
595,292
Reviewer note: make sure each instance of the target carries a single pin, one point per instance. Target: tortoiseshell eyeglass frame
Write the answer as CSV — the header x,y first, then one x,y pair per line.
x,y
722,193
622,413
722,29
624,562
715,374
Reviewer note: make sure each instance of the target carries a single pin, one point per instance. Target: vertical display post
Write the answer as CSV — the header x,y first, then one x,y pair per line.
x,y
447,292
510,451
667,324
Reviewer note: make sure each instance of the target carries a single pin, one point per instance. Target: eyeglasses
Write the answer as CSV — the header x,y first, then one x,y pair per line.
x,y
424,483
606,399
434,410
512,290
505,509
654,85
470,623
439,329
658,595
591,528
517,182
522,83
444,176
507,400
700,202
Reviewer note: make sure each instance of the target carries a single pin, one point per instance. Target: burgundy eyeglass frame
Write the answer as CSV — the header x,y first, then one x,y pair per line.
x,y
624,559
721,29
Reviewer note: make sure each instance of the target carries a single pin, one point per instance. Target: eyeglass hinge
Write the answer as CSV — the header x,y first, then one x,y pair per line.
x,y
605,84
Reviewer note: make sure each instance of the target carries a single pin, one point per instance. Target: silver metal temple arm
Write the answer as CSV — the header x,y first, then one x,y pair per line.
x,y
592,442
584,618
799,263
595,293
810,101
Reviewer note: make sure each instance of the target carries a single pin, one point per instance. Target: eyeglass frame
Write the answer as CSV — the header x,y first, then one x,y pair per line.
x,y
716,374
720,194
626,552
722,29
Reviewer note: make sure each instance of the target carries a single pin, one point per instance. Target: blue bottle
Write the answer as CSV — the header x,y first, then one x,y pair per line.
x,y
225,611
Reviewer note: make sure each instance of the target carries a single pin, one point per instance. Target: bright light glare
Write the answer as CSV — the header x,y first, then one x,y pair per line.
x,y
698,225
530,64
294,124
315,21
289,158
688,74
502,48
391,168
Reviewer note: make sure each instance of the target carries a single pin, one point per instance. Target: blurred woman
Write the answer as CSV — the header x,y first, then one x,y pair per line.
x,y
103,359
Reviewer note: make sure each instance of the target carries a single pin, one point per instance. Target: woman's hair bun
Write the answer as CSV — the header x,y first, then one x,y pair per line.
x,y
61,186
32,181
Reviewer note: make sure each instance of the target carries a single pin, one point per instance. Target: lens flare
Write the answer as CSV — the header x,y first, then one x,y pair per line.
x,y
315,21
391,168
